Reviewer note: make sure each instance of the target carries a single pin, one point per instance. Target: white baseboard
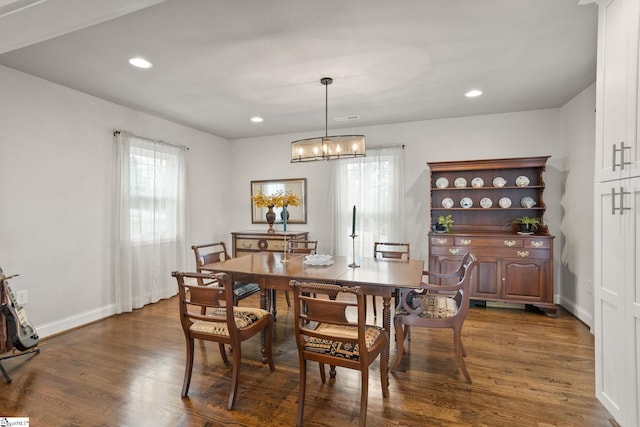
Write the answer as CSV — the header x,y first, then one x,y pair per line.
x,y
584,316
74,321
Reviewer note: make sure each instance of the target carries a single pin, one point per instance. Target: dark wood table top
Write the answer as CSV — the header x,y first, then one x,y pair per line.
x,y
384,273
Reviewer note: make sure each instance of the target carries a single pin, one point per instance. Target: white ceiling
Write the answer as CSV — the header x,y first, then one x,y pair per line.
x,y
219,62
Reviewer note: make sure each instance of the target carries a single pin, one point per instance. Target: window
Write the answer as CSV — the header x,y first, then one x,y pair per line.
x,y
375,185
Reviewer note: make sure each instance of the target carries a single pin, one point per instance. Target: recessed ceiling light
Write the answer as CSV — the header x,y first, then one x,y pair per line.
x,y
257,119
140,62
473,93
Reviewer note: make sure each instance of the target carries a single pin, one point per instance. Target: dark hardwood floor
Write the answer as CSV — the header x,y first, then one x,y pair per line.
x,y
127,370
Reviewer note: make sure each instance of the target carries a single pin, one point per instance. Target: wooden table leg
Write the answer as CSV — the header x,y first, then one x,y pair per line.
x,y
263,305
386,324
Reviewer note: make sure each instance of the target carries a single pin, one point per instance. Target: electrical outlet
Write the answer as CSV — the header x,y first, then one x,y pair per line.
x,y
22,297
589,286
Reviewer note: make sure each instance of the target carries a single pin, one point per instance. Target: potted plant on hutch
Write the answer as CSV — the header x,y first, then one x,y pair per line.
x,y
444,224
528,224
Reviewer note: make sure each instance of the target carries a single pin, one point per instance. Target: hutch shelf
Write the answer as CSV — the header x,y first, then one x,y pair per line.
x,y
484,197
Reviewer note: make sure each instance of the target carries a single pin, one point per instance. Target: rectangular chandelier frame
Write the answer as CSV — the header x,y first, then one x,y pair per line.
x,y
328,148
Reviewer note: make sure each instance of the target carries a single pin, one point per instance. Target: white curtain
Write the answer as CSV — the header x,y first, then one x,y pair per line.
x,y
375,186
149,225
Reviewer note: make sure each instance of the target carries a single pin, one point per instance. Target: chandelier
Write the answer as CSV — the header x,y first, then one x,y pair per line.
x,y
327,147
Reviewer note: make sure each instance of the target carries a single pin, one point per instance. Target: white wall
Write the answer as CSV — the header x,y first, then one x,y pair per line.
x,y
56,173
576,267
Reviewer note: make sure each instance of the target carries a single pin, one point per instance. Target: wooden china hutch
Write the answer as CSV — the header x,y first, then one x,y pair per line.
x,y
484,197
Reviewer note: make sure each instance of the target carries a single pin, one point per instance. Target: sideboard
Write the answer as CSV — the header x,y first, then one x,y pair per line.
x,y
246,242
484,197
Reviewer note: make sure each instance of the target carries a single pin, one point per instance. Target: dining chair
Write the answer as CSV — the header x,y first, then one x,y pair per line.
x,y
216,252
309,247
437,306
325,334
386,250
222,323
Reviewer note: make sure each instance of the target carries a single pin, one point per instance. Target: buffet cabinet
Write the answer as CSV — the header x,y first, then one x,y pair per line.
x,y
484,197
246,242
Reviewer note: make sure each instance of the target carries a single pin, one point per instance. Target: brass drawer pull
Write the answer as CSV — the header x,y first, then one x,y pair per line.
x,y
523,254
246,245
466,242
442,241
509,243
454,251
537,244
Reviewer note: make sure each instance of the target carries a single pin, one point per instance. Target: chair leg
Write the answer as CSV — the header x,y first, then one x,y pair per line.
x,y
375,309
223,353
286,295
457,344
323,375
235,377
188,368
301,392
398,327
268,345
364,395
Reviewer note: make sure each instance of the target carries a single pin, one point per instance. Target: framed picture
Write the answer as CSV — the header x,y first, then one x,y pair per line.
x,y
296,186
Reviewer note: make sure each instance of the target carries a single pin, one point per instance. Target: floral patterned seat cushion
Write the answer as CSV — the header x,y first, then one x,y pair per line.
x,y
347,350
435,307
244,316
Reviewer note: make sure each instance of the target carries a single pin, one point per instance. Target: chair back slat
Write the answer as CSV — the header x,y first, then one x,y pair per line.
x,y
298,246
390,250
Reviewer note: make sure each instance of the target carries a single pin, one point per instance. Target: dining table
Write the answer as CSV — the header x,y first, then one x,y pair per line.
x,y
275,270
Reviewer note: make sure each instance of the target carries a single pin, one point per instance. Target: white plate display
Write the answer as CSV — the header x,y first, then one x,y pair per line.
x,y
318,260
505,202
499,181
466,202
486,202
447,203
442,182
460,182
522,181
527,202
477,182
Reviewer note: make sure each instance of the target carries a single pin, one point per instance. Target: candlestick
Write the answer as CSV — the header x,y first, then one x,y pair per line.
x,y
353,222
353,245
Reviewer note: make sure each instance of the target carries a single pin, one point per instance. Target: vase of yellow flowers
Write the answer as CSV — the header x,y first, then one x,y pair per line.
x,y
279,199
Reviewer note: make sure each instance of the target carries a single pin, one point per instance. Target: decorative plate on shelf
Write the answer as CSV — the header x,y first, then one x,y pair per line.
x,y
447,203
442,182
522,181
477,182
504,202
499,181
460,182
527,202
486,202
466,202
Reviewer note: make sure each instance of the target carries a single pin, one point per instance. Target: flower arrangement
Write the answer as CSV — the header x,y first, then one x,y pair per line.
x,y
277,199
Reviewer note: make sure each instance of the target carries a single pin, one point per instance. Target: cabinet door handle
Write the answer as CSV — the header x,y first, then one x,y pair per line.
x,y
509,243
622,208
613,157
454,251
523,254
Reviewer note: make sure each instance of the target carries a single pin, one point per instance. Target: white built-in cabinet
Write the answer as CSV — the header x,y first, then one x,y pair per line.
x,y
616,211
